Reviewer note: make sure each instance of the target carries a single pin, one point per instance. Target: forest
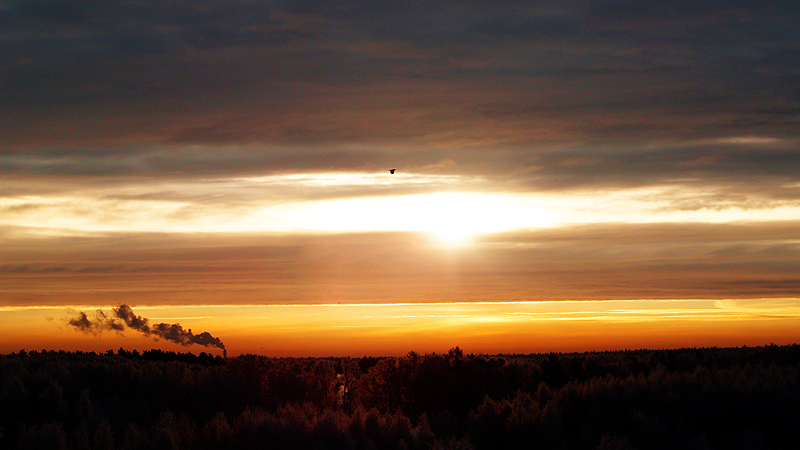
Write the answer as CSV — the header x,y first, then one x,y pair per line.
x,y
693,398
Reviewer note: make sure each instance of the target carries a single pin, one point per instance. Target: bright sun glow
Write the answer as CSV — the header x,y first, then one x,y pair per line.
x,y
451,209
453,218
452,236
450,217
450,220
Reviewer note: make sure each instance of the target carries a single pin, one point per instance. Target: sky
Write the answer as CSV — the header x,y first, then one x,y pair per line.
x,y
570,175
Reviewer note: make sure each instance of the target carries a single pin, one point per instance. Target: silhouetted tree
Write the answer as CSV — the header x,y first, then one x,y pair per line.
x,y
46,436
387,385
685,398
347,383
103,438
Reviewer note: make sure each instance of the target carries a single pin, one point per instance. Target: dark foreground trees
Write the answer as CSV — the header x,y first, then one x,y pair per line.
x,y
690,399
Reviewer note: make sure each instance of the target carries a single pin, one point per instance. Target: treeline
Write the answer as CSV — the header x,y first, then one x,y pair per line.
x,y
733,398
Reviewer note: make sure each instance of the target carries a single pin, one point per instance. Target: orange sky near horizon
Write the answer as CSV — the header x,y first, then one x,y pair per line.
x,y
395,329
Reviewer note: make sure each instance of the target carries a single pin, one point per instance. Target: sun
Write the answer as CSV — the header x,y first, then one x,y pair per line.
x,y
452,232
454,218
453,237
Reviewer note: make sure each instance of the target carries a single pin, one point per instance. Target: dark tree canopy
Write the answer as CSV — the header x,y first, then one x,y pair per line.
x,y
688,398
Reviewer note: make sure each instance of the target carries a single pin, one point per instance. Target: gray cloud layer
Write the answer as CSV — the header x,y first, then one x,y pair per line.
x,y
107,88
607,261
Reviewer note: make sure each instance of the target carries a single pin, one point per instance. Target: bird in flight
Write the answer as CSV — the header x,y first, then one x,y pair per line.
x,y
391,171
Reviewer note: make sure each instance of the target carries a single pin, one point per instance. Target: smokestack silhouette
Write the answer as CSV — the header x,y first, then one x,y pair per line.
x,y
169,332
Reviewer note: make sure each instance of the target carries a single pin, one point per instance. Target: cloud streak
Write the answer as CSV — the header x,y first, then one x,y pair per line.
x,y
125,317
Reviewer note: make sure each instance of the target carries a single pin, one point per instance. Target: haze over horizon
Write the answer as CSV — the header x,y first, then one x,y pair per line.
x,y
570,175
